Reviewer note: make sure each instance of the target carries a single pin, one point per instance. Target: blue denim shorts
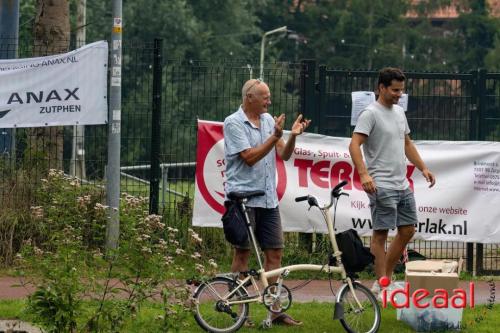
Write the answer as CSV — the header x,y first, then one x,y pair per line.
x,y
266,225
392,208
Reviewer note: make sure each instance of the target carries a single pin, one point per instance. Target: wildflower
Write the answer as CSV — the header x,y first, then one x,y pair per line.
x,y
75,182
84,200
195,236
196,255
37,251
146,249
100,207
180,251
199,268
37,212
212,263
168,260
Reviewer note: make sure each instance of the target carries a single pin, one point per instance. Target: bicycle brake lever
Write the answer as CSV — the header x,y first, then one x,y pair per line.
x,y
343,193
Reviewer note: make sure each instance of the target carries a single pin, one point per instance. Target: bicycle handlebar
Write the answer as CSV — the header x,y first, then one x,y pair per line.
x,y
304,198
339,186
334,194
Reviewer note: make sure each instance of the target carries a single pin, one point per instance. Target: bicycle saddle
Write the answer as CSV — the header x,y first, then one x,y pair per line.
x,y
244,195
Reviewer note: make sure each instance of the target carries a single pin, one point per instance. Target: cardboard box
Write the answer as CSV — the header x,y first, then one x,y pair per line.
x,y
429,319
433,274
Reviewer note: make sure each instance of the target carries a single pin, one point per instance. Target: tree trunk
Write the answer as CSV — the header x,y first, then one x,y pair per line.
x,y
51,36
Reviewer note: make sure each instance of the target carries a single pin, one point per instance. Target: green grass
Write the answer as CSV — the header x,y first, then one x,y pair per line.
x,y
317,317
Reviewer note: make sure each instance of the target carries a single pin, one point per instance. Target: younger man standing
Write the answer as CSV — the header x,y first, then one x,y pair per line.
x,y
383,131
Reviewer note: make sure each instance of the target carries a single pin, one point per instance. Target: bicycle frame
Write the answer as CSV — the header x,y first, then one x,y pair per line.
x,y
283,271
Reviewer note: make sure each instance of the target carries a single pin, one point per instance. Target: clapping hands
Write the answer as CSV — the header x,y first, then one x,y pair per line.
x,y
300,125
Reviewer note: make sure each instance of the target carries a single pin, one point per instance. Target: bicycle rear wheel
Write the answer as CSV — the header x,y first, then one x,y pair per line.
x,y
359,320
212,313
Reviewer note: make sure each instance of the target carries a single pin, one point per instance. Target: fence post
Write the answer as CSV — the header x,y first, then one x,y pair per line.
x,y
470,257
307,89
308,110
477,133
154,178
322,96
479,259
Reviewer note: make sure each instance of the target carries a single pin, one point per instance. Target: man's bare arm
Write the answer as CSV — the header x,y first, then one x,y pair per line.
x,y
357,158
412,154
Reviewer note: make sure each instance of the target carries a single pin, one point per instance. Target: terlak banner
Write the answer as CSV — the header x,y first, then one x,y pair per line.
x,y
57,90
460,207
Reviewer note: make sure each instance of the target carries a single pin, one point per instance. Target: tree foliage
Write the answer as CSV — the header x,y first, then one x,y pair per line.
x,y
339,33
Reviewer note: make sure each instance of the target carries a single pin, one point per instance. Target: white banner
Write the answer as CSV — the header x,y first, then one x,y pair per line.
x,y
460,207
57,90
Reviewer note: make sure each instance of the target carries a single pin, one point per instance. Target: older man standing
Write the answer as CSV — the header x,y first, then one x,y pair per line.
x,y
252,138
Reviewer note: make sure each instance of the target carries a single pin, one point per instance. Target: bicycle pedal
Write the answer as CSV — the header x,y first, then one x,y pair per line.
x,y
267,323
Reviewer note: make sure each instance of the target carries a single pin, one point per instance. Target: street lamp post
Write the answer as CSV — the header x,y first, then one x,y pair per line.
x,y
262,45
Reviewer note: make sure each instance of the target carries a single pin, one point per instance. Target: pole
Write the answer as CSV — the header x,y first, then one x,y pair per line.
x,y
154,180
9,35
114,122
77,163
262,46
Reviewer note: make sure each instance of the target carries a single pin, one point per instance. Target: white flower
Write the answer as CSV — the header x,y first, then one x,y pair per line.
x,y
168,260
199,268
100,207
212,263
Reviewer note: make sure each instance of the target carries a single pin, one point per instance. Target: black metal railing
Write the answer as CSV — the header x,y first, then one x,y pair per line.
x,y
162,100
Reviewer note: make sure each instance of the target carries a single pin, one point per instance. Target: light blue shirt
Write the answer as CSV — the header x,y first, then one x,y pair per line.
x,y
240,134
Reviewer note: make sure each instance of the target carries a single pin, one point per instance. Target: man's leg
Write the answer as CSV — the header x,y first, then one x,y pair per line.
x,y
272,260
377,248
240,260
398,244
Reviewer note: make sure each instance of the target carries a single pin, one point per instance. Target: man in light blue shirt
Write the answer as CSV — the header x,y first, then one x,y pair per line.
x,y
252,137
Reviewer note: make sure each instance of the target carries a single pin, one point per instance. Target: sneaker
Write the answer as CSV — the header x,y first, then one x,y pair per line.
x,y
376,289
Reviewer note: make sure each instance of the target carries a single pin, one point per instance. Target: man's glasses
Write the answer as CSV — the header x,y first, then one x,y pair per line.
x,y
257,81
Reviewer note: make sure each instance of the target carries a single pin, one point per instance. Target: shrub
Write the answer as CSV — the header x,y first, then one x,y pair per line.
x,y
67,263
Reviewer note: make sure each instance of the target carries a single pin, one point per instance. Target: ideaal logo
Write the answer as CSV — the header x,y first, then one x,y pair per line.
x,y
210,157
439,299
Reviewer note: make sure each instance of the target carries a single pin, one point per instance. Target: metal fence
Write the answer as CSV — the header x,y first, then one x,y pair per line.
x,y
443,106
158,150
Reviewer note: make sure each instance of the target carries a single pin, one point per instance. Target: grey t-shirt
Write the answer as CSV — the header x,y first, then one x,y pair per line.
x,y
384,148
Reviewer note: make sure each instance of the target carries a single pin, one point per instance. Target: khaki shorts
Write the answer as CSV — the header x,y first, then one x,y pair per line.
x,y
392,208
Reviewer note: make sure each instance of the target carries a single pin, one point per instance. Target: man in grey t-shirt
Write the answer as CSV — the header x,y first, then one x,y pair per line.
x,y
383,131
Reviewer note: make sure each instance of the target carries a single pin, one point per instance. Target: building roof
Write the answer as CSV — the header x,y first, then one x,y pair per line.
x,y
453,11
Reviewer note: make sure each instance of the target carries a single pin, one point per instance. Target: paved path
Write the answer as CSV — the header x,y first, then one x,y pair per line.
x,y
316,290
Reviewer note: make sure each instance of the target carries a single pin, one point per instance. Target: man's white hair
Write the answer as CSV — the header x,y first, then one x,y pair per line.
x,y
248,86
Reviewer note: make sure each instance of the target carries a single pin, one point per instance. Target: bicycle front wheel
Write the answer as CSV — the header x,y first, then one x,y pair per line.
x,y
356,319
212,311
